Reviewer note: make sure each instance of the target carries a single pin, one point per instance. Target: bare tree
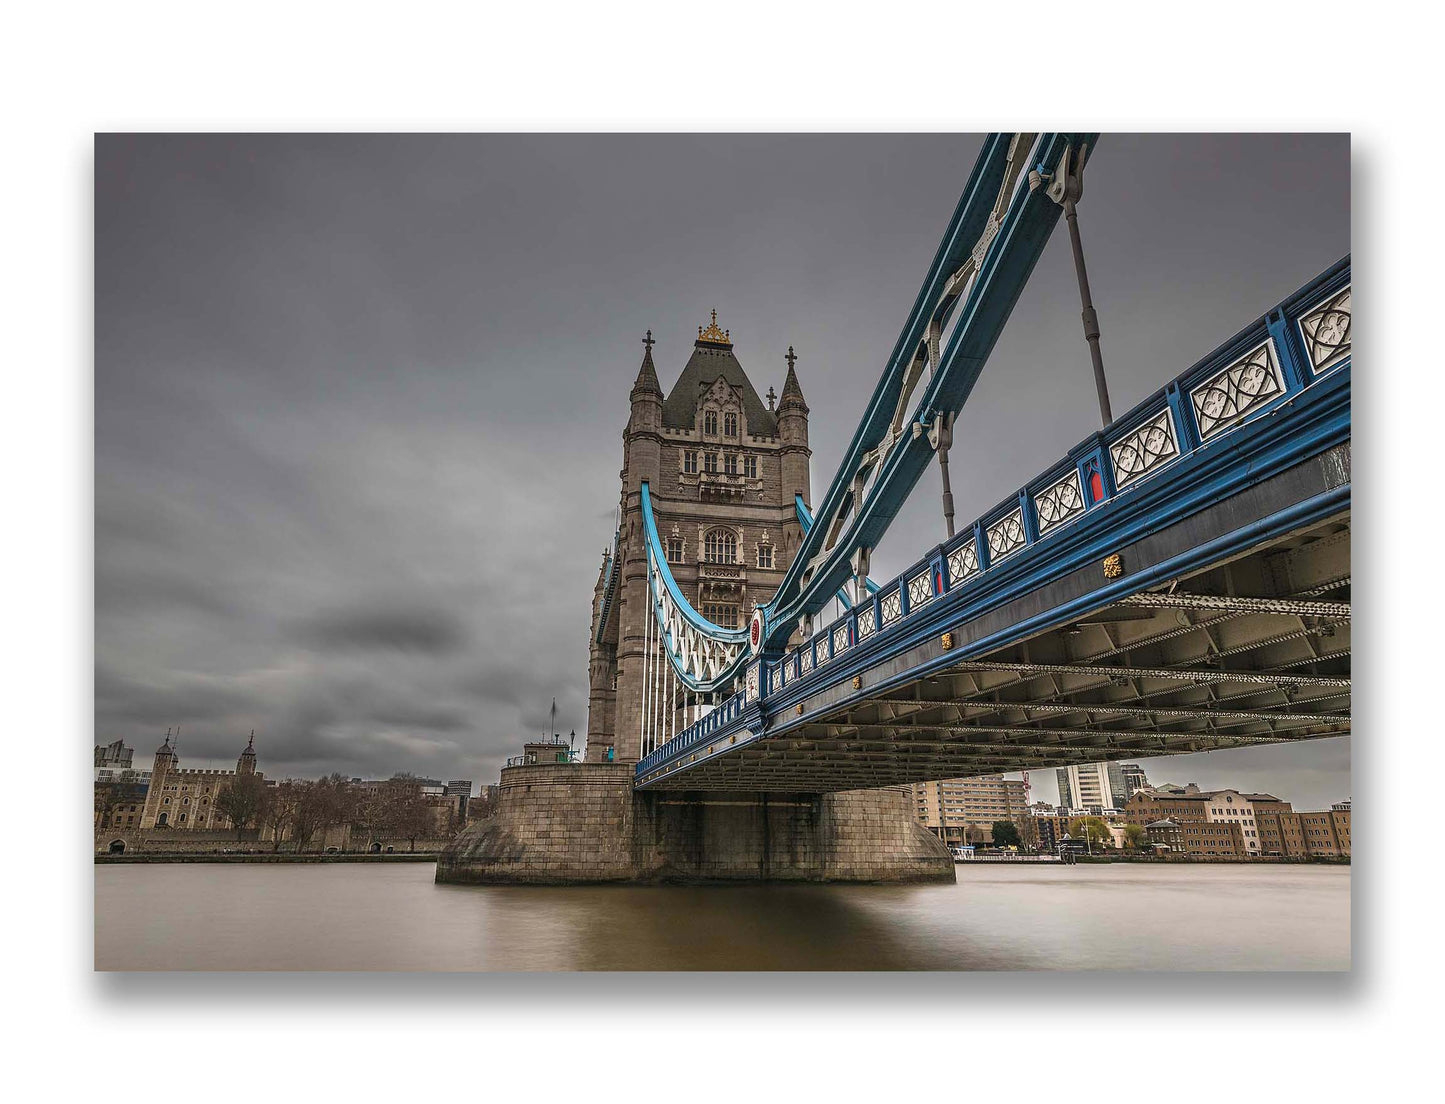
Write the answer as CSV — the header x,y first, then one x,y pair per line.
x,y
311,815
340,802
107,797
242,801
372,808
279,814
408,815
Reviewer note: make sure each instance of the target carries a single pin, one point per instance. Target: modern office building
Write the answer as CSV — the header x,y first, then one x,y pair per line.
x,y
1092,787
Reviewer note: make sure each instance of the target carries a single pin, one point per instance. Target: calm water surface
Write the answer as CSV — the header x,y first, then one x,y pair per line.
x,y
199,916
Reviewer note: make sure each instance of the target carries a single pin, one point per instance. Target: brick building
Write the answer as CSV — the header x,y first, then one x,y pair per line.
x,y
1306,835
1193,805
723,469
1268,826
1206,839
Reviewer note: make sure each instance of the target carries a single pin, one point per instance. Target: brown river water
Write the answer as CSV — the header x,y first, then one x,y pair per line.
x,y
199,916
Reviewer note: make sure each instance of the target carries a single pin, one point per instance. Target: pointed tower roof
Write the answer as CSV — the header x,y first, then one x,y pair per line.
x,y
250,752
792,393
647,382
712,357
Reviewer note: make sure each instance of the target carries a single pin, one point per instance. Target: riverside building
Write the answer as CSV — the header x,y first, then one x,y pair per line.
x,y
963,810
186,799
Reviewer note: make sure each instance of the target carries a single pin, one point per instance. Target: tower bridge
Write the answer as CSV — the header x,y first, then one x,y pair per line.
x,y
1177,582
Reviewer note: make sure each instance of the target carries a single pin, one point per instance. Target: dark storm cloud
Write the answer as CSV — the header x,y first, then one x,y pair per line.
x,y
430,631
358,399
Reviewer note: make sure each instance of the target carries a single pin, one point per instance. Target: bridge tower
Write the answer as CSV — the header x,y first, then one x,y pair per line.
x,y
722,467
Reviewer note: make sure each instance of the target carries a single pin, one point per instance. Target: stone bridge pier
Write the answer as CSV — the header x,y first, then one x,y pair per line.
x,y
570,824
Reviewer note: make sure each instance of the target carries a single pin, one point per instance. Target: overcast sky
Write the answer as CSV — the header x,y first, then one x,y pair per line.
x,y
359,398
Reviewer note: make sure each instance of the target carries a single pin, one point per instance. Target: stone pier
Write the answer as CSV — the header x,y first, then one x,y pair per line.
x,y
569,824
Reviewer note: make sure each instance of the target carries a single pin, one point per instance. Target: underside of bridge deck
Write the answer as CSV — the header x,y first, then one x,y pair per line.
x,y
1252,650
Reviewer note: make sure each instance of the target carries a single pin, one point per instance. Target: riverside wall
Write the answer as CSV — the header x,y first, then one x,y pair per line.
x,y
568,824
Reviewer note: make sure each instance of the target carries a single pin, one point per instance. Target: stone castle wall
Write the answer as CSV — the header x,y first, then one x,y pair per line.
x,y
167,841
567,824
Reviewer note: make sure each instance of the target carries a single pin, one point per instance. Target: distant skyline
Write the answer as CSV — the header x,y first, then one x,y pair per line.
x,y
359,398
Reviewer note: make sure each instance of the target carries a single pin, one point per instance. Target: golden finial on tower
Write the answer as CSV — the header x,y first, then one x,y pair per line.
x,y
713,334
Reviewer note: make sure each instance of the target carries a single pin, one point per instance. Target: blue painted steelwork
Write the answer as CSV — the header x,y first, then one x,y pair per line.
x,y
805,519
655,547
1303,412
998,230
996,235
704,657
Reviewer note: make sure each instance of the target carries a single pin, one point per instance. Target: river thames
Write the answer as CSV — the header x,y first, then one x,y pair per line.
x,y
199,916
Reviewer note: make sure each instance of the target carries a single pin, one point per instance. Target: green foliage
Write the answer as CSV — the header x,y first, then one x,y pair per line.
x,y
1006,834
1092,828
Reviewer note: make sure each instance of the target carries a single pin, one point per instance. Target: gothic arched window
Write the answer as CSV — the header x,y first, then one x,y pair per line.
x,y
709,421
730,424
721,546
730,463
674,550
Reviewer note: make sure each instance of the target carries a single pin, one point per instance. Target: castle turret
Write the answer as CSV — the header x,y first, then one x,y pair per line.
x,y
166,758
793,436
643,435
246,764
163,772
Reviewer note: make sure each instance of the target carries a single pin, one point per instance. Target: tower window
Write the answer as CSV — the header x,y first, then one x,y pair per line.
x,y
765,555
730,424
709,421
731,463
721,546
750,466
709,462
674,550
689,462
724,617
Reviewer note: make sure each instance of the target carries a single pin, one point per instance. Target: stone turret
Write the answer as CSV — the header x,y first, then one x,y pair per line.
x,y
643,435
602,661
246,763
166,759
793,434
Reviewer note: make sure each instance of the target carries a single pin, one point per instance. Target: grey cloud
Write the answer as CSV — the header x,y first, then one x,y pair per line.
x,y
359,398
429,631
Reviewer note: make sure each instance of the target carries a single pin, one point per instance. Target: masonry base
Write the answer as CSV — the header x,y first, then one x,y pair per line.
x,y
570,824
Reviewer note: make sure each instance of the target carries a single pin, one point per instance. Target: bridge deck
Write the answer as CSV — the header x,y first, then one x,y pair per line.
x,y
1200,601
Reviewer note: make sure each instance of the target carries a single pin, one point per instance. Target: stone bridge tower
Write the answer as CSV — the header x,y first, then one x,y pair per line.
x,y
722,468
